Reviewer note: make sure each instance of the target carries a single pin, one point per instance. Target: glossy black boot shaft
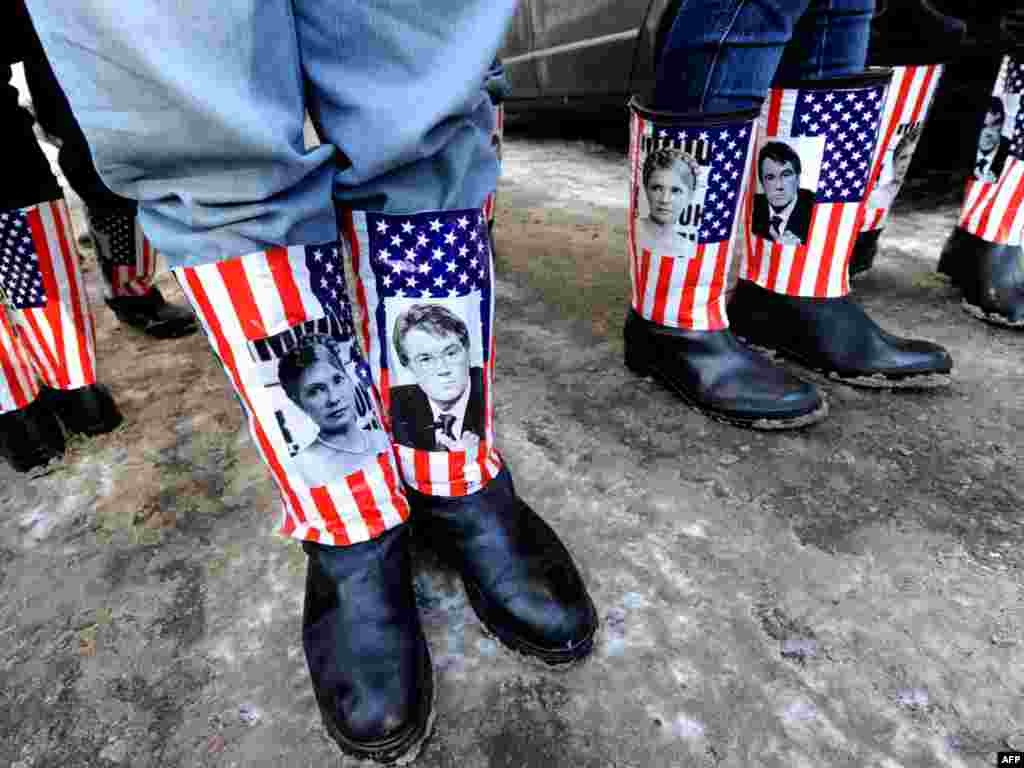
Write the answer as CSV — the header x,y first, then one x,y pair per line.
x,y
365,648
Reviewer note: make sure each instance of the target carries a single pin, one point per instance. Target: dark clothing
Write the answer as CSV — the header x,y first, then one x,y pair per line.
x,y
27,178
724,55
999,161
53,113
412,420
799,221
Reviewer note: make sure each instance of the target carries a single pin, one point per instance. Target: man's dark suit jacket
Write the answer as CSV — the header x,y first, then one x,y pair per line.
x,y
411,417
799,221
999,161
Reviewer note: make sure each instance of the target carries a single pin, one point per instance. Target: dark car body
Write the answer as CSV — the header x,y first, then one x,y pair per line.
x,y
590,54
583,53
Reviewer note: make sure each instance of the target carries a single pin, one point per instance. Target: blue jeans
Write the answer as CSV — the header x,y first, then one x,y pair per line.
x,y
196,109
724,55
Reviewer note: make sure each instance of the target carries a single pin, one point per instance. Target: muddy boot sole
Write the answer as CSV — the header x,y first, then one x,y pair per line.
x,y
920,381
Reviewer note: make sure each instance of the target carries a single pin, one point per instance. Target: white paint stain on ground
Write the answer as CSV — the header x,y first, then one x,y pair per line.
x,y
799,711
687,729
695,530
66,495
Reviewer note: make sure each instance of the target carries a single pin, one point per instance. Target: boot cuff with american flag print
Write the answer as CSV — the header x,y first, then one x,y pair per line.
x,y
281,323
424,289
993,207
689,175
909,99
48,331
816,148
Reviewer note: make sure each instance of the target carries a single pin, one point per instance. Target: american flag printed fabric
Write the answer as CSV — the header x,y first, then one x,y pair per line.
x,y
835,129
497,139
993,210
127,259
41,282
247,305
909,99
680,281
19,384
432,257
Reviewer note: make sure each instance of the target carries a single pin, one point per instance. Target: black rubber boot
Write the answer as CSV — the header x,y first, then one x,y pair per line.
x,y
906,32
990,275
519,577
153,315
30,437
864,251
84,411
365,648
715,373
835,336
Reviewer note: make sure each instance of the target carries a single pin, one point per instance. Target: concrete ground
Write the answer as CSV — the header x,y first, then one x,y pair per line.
x,y
849,595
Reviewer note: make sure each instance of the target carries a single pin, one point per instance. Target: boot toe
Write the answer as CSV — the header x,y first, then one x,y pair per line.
x,y
519,577
30,437
368,658
898,357
926,357
774,394
375,716
552,614
89,410
718,374
153,315
537,623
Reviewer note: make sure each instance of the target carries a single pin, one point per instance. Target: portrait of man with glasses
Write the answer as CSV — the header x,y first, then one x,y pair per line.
x,y
444,409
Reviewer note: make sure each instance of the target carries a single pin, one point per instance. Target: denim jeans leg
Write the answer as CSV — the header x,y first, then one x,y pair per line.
x,y
830,40
196,111
397,88
723,55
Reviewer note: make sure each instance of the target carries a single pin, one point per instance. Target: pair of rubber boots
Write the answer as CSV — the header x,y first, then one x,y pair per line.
x,y
32,436
722,376
990,275
792,296
364,643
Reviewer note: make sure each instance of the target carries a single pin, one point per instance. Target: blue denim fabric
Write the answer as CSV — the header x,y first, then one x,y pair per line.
x,y
196,110
724,55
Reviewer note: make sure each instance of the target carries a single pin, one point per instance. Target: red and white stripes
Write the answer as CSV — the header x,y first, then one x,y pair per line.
x,y
817,266
910,96
680,280
59,336
137,278
684,293
19,384
254,297
994,210
435,473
